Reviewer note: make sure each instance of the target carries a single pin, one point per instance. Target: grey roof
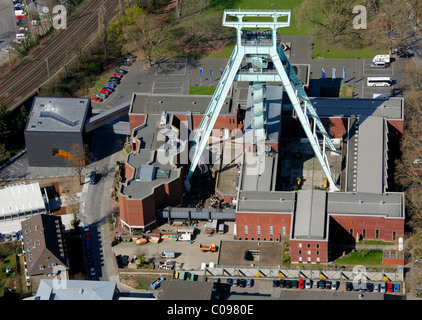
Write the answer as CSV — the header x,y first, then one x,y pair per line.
x,y
370,155
345,107
310,217
49,289
58,114
271,202
388,204
157,103
258,173
150,160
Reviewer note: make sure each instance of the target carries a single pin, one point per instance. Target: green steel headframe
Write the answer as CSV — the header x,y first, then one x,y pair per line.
x,y
268,45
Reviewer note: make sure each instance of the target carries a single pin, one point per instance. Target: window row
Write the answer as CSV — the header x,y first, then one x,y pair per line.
x,y
377,234
258,230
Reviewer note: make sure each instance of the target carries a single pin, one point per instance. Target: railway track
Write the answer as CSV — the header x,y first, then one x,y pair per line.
x,y
26,80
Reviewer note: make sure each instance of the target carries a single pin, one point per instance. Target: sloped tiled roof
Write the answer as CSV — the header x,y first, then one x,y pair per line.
x,y
43,244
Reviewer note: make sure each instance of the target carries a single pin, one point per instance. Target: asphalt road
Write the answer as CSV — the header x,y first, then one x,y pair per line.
x,y
106,149
7,25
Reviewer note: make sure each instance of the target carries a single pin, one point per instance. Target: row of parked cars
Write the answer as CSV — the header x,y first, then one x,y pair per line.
x,y
334,285
110,86
14,236
88,250
114,79
242,283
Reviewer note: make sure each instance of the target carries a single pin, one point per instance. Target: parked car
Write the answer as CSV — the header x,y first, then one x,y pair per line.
x,y
105,92
404,54
14,236
276,283
322,284
102,96
308,284
115,79
397,287
87,236
295,284
370,287
92,176
7,238
383,287
216,280
110,86
349,286
86,227
97,99
229,281
301,284
110,90
117,75
334,285
92,272
88,245
282,284
242,283
249,283
115,82
121,71
377,287
236,282
390,287
288,283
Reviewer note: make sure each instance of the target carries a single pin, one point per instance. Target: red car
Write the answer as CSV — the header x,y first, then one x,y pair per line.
x,y
20,17
301,284
105,92
97,99
87,236
390,287
117,75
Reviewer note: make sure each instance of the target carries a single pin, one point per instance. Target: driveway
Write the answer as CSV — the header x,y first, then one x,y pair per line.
x,y
7,25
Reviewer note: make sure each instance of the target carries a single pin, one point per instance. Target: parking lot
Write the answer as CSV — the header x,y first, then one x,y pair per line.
x,y
188,254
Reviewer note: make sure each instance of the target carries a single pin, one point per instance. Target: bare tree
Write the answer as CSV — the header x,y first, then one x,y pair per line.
x,y
388,23
333,17
78,157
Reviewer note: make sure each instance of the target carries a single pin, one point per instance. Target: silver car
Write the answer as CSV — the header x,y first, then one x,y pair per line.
x,y
383,287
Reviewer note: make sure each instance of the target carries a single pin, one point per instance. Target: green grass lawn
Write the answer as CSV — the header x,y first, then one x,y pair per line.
x,y
299,26
202,90
364,257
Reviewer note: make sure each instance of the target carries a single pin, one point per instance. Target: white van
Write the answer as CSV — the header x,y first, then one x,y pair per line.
x,y
20,36
19,13
379,64
382,57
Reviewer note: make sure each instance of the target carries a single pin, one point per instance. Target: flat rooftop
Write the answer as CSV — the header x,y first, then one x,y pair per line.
x,y
392,108
58,114
310,217
261,201
151,164
157,103
370,155
20,199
